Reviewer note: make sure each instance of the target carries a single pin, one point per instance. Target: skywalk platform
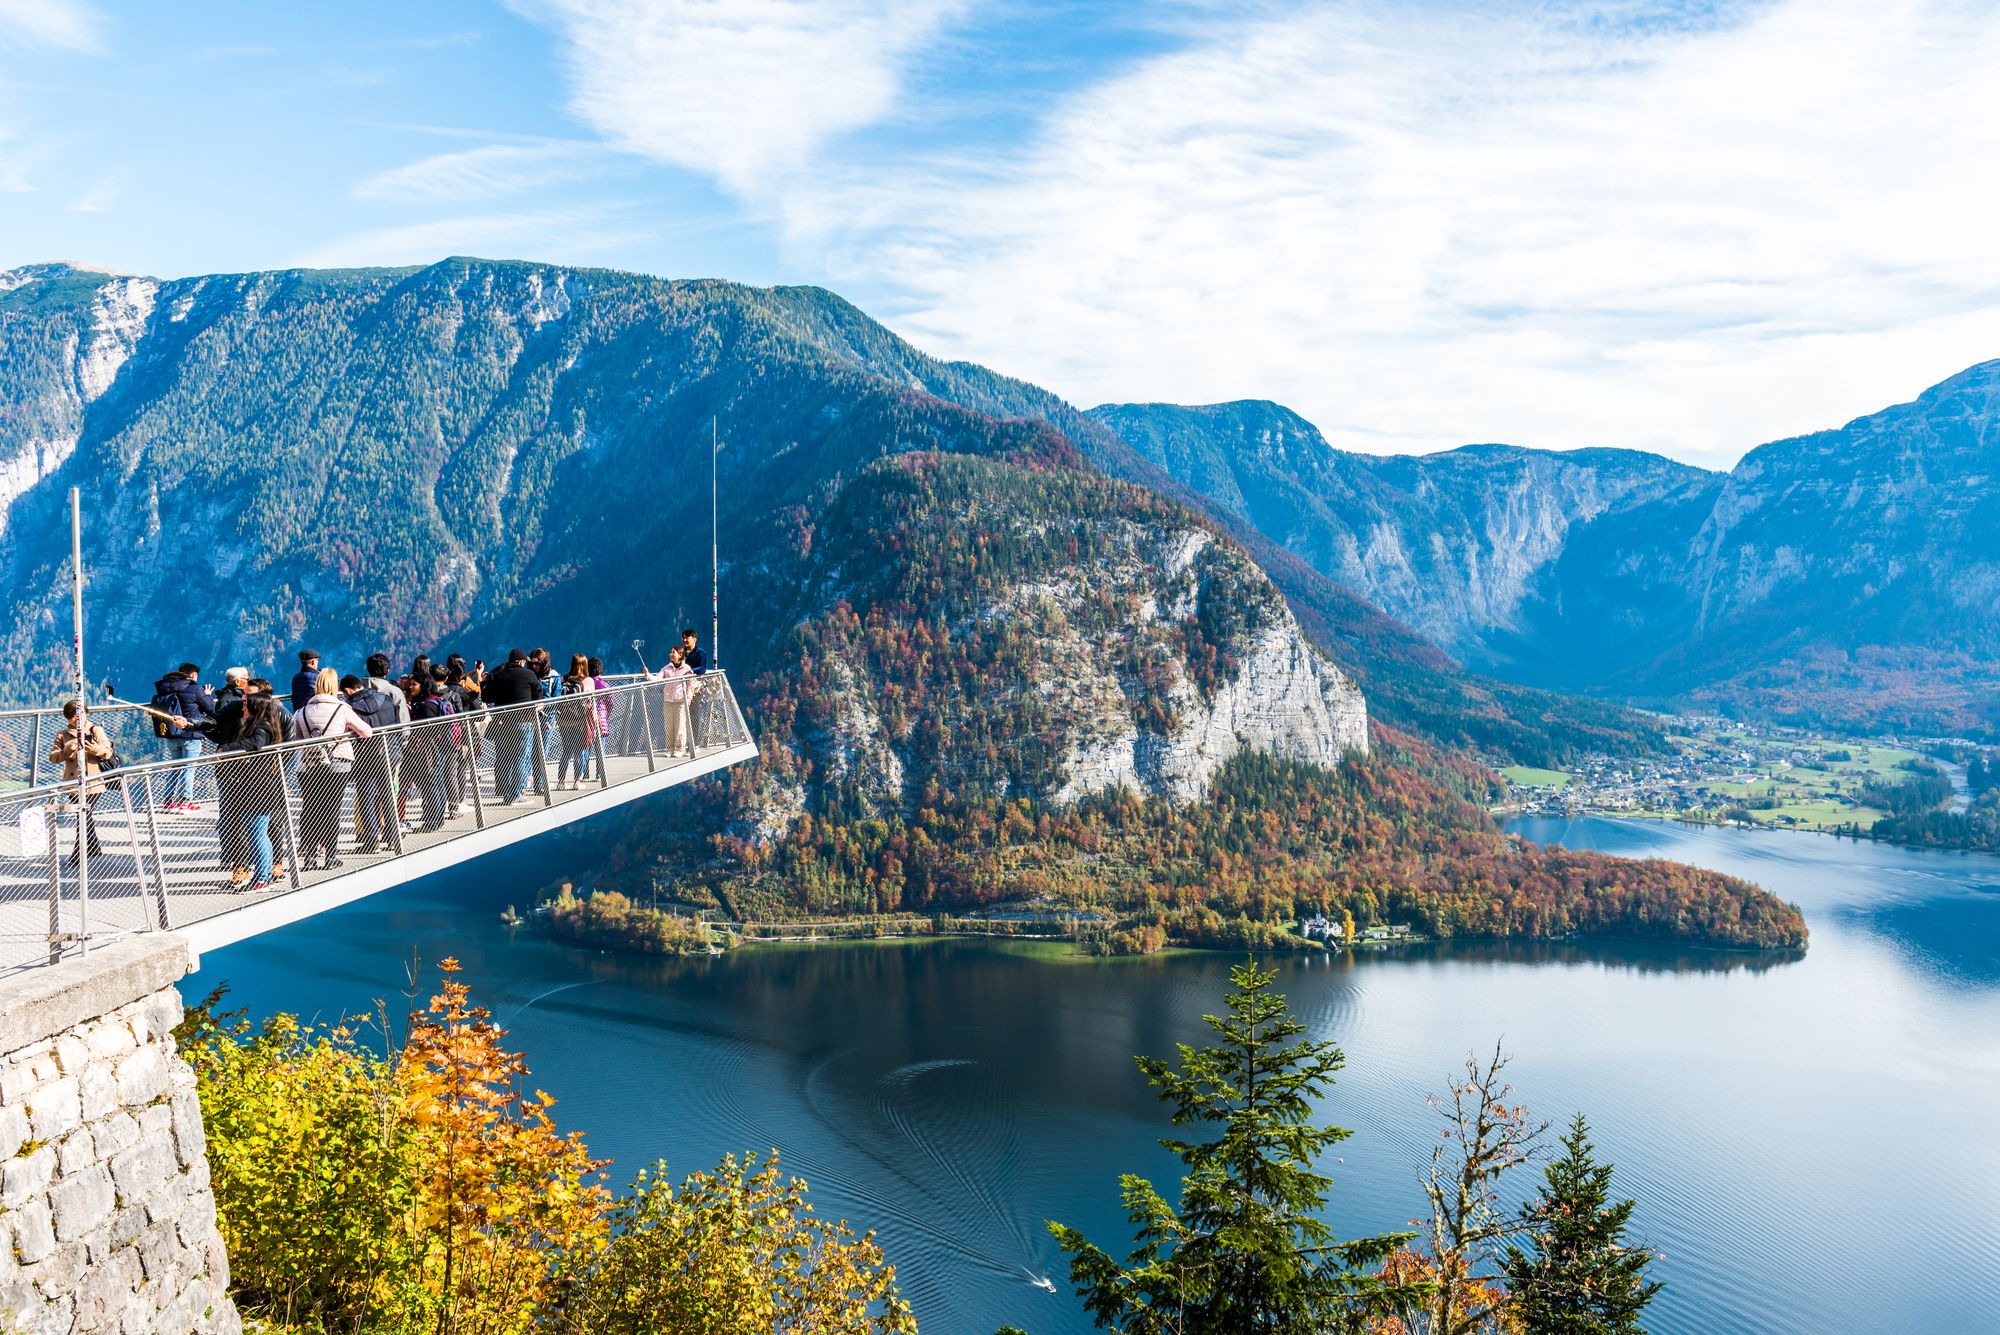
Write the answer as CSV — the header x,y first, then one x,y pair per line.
x,y
165,870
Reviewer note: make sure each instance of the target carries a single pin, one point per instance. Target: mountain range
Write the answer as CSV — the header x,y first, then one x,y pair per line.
x,y
1848,578
991,646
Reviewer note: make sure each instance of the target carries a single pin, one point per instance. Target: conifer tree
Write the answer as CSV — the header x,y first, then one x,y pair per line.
x,y
1577,1274
1245,1253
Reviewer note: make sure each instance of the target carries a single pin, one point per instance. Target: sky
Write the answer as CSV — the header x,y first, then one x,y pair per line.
x,y
1677,226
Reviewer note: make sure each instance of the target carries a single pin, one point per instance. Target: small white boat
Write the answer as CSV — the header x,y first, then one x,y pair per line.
x,y
1044,1283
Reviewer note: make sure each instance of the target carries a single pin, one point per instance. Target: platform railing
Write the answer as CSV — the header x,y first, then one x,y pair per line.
x,y
161,844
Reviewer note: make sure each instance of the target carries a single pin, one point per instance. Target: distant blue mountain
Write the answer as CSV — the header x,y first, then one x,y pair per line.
x,y
1850,577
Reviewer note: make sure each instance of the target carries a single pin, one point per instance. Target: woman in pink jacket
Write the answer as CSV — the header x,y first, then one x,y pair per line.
x,y
679,678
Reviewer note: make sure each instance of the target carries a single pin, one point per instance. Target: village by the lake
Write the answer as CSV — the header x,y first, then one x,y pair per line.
x,y
1730,771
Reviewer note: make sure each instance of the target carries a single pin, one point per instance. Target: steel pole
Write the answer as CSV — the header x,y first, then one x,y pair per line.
x,y
82,726
714,546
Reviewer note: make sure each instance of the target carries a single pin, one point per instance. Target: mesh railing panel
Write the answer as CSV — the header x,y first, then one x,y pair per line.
x,y
286,817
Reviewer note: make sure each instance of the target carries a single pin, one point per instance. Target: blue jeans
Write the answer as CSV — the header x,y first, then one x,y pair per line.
x,y
513,757
180,784
432,773
260,840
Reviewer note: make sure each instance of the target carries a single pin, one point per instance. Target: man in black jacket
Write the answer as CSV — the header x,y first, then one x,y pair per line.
x,y
306,680
514,684
697,662
191,709
375,759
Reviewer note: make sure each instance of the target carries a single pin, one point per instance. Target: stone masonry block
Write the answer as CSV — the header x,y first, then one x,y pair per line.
x,y
76,1152
59,1275
36,1318
218,1260
26,1176
190,1140
44,1067
142,1077
109,1039
143,1167
13,1131
71,1054
98,1089
34,1232
158,1247
55,1108
116,1133
103,1294
126,1226
156,1122
169,1201
79,1204
16,1083
164,1011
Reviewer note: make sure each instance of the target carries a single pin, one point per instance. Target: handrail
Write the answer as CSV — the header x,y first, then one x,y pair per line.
x,y
621,685
176,833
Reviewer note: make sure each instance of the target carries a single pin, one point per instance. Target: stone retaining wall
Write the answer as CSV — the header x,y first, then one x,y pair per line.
x,y
107,1221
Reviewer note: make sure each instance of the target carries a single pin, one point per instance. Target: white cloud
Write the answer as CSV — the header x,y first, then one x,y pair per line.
x,y
1624,222
48,23
495,169
742,90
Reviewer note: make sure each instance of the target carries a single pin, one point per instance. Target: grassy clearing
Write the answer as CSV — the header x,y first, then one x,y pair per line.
x,y
1526,776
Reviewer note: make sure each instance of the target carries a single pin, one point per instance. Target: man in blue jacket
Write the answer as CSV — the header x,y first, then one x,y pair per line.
x,y
306,680
190,711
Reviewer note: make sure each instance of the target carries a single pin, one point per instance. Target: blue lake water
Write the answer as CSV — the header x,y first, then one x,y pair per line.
x,y
1812,1142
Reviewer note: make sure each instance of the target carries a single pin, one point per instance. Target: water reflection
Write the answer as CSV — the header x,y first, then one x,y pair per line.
x,y
1633,956
1940,910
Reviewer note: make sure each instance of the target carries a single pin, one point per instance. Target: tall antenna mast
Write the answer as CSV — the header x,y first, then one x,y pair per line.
x,y
714,546
82,723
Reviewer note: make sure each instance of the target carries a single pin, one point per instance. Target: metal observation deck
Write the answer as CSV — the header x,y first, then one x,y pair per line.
x,y
444,786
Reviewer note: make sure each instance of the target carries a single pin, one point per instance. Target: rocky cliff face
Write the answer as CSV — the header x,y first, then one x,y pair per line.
x,y
1849,577
999,629
82,326
1450,543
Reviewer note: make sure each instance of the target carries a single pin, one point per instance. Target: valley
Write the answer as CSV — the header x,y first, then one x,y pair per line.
x,y
1725,771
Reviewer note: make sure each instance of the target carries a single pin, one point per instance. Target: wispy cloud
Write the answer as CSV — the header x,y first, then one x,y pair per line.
x,y
61,24
478,173
1590,223
744,92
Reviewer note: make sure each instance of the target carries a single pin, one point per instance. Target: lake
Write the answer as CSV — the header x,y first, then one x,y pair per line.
x,y
1811,1141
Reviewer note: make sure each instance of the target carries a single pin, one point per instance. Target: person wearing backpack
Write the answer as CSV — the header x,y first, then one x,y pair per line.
x,y
576,720
430,750
374,763
253,787
190,712
602,697
323,769
512,685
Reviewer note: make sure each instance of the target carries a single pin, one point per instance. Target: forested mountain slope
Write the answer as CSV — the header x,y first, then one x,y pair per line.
x,y
1849,577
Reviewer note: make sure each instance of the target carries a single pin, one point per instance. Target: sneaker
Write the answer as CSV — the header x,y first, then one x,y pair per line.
x,y
261,887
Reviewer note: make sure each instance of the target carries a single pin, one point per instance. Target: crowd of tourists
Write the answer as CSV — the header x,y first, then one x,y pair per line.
x,y
364,772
